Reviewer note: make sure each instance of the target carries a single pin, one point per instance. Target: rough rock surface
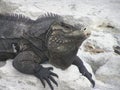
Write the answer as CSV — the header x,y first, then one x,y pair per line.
x,y
98,51
101,17
70,79
112,77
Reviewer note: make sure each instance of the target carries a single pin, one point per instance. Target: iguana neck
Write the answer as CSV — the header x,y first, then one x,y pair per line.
x,y
60,44
61,50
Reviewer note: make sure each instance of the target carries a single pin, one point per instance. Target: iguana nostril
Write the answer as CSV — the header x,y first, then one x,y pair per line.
x,y
87,33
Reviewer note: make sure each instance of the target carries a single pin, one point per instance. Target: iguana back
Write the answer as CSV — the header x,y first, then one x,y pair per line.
x,y
15,27
12,26
11,30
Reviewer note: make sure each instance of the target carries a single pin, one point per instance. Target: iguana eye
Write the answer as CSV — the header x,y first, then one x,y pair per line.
x,y
65,25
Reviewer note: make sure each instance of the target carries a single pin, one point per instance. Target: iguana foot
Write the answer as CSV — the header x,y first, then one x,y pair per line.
x,y
88,75
25,63
46,74
78,62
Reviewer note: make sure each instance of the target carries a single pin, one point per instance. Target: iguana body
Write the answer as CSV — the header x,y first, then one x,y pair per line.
x,y
32,42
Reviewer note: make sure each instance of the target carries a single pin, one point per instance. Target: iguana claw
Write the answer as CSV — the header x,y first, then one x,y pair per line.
x,y
87,75
45,74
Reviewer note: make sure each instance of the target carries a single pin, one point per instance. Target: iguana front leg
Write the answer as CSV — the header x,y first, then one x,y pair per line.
x,y
27,62
83,69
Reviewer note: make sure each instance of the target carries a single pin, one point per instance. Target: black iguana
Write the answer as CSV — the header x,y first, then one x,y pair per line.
x,y
32,42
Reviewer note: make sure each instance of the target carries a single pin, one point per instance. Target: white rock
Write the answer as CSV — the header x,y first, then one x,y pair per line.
x,y
110,73
99,11
70,79
2,63
104,62
97,49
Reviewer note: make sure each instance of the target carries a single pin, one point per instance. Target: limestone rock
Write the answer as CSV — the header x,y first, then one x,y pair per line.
x,y
97,49
70,79
110,73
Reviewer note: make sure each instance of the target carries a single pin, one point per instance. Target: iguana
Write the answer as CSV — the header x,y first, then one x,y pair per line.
x,y
33,42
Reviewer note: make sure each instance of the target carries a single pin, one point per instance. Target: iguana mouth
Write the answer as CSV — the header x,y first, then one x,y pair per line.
x,y
74,34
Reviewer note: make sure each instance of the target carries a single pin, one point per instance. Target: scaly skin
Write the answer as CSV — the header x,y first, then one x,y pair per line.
x,y
32,42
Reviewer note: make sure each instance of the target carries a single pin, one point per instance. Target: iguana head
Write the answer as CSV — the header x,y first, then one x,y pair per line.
x,y
63,33
63,43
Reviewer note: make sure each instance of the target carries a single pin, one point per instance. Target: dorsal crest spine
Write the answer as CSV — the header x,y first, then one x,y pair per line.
x,y
15,17
49,16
